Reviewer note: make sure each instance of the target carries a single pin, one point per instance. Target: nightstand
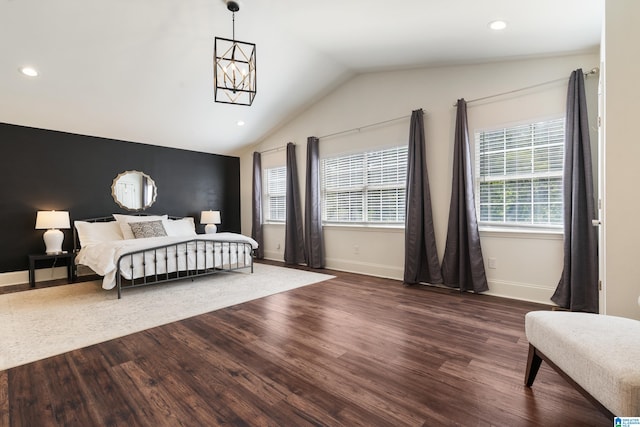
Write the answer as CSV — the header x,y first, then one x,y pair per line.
x,y
68,257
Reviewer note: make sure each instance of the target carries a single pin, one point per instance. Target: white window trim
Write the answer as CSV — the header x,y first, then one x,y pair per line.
x,y
372,225
521,233
516,229
397,228
394,225
266,196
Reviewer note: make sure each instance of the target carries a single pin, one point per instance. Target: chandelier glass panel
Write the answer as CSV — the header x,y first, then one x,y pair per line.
x,y
234,75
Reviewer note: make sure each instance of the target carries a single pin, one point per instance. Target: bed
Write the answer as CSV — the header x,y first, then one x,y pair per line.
x,y
138,250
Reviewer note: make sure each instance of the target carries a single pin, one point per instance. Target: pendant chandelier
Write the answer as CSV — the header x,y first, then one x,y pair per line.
x,y
234,64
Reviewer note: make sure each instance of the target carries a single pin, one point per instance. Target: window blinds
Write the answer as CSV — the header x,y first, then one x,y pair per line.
x,y
520,173
365,187
275,193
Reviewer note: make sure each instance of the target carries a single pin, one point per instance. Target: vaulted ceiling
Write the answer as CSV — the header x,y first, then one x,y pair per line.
x,y
141,70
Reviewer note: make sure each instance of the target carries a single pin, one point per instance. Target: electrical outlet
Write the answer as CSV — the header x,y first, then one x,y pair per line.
x,y
278,247
492,263
356,249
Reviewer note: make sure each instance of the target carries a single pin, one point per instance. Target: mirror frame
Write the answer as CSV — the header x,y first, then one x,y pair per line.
x,y
144,175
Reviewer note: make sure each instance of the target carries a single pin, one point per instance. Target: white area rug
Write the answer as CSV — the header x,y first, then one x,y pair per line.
x,y
40,323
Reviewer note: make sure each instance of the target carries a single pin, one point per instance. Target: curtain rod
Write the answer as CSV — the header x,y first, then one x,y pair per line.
x,y
282,147
594,70
343,131
365,127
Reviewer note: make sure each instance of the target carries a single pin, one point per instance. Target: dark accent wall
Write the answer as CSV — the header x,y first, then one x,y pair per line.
x,y
45,170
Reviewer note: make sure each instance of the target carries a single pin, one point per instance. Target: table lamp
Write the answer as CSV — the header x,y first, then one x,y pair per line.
x,y
52,221
210,218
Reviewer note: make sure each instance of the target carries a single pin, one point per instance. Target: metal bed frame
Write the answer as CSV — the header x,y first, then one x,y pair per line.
x,y
158,257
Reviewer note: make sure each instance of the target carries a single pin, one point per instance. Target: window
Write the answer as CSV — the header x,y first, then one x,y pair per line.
x,y
275,193
519,174
365,187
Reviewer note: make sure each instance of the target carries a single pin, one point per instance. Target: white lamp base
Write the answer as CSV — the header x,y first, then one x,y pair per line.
x,y
53,241
210,228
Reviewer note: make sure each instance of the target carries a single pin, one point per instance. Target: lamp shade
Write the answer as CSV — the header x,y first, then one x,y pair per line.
x,y
49,220
210,217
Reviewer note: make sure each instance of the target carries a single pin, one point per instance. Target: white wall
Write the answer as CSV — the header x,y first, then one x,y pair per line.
x,y
620,155
528,265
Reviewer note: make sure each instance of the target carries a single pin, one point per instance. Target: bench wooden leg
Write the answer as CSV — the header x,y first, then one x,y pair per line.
x,y
533,364
534,360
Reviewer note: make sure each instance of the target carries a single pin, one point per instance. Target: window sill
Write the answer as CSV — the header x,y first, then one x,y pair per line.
x,y
522,233
366,227
351,227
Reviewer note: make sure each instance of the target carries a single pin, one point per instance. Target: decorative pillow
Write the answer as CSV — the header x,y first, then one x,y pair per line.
x,y
181,227
90,233
124,220
147,229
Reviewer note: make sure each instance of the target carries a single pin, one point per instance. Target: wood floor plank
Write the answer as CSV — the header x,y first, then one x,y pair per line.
x,y
238,388
4,399
263,379
221,377
351,351
166,401
69,407
30,403
95,381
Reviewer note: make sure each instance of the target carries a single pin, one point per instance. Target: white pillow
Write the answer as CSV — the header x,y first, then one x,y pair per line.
x,y
124,220
181,227
90,233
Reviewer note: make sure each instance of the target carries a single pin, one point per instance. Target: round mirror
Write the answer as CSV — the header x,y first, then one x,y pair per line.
x,y
134,190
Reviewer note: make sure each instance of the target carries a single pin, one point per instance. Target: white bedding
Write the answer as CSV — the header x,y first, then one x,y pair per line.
x,y
103,257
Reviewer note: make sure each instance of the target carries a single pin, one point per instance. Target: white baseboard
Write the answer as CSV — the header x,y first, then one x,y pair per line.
x,y
14,278
274,255
499,288
42,275
369,269
521,291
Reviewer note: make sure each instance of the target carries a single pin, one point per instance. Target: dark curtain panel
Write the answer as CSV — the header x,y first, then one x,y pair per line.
x,y
420,255
313,209
578,286
293,233
256,209
462,263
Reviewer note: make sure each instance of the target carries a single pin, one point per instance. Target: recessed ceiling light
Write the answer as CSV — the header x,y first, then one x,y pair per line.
x,y
497,25
29,71
240,123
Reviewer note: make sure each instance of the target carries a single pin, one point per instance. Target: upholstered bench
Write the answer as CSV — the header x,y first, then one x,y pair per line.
x,y
599,355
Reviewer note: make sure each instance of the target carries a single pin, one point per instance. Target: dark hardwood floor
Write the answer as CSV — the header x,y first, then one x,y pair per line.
x,y
354,350
9,289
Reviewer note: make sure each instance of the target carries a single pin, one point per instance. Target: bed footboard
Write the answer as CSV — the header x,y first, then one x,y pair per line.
x,y
187,259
